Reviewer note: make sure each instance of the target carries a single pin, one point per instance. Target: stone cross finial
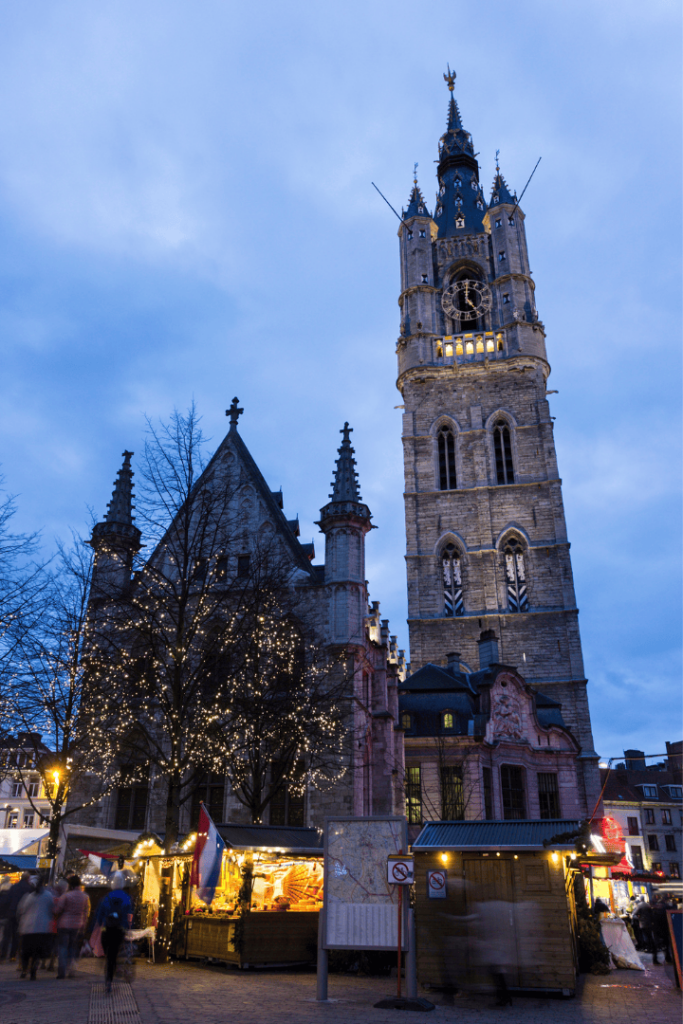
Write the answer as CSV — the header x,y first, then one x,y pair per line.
x,y
234,412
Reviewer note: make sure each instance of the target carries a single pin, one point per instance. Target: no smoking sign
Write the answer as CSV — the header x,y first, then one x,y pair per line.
x,y
437,885
400,871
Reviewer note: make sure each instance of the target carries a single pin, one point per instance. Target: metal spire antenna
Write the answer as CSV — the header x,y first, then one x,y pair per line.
x,y
527,184
388,203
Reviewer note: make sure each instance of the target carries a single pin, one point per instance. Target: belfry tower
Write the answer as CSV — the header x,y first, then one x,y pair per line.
x,y
487,545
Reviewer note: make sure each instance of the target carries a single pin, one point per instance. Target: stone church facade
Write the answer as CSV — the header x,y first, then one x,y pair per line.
x,y
332,601
487,547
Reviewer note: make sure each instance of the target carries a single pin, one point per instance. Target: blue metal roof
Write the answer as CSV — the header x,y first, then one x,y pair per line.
x,y
491,835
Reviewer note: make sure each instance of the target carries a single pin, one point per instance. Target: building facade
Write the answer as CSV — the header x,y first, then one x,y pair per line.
x,y
23,803
646,801
487,545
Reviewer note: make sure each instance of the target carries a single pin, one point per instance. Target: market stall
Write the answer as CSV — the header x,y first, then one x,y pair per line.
x,y
493,900
267,899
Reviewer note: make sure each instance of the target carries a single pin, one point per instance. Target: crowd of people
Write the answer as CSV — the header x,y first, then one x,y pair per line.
x,y
42,923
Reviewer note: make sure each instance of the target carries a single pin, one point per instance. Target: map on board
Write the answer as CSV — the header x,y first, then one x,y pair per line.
x,y
360,904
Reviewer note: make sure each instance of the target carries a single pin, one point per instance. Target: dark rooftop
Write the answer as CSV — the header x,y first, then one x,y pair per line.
x,y
492,835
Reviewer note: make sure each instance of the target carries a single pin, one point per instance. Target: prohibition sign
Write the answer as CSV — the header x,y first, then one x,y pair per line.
x,y
437,880
401,871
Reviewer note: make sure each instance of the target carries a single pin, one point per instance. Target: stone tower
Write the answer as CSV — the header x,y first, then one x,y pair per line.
x,y
344,521
487,545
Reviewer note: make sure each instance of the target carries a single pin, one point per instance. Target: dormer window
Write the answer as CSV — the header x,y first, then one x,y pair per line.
x,y
499,223
448,721
442,190
406,720
650,792
460,222
458,200
480,205
439,211
457,183
475,185
423,233
496,199
420,209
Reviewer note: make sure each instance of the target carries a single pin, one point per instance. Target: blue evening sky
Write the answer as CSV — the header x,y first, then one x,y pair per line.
x,y
186,212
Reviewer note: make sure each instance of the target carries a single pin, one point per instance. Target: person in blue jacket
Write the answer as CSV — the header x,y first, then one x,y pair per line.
x,y
114,915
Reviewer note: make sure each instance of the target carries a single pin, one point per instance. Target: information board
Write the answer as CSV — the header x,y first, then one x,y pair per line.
x,y
360,904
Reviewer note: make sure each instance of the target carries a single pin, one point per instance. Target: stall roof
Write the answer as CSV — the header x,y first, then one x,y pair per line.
x,y
17,840
271,837
492,835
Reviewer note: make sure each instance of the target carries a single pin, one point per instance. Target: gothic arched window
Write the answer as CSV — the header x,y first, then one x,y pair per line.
x,y
515,576
452,582
502,445
446,443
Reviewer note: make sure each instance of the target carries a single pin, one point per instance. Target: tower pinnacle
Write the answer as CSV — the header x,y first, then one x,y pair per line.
x,y
345,497
119,520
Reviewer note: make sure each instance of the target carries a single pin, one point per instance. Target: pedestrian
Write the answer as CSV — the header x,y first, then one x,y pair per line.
x,y
71,911
643,915
10,936
5,886
35,914
660,927
114,914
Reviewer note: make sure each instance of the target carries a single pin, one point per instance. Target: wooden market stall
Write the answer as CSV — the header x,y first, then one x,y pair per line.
x,y
499,903
267,902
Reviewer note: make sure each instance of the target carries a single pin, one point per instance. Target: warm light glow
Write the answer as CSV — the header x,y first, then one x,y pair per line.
x,y
603,764
444,858
516,857
497,855
554,857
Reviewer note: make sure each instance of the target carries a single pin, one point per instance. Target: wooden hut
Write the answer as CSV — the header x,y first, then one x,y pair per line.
x,y
491,899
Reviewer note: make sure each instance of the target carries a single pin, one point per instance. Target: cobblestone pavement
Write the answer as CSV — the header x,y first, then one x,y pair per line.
x,y
189,993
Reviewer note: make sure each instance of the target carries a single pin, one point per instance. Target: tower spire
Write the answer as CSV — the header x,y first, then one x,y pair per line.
x,y
119,520
345,483
345,499
460,204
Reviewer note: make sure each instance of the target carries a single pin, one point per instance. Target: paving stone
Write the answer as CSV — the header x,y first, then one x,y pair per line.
x,y
192,993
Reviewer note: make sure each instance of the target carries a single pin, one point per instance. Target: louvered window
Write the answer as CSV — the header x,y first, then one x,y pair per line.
x,y
446,443
452,582
515,575
505,472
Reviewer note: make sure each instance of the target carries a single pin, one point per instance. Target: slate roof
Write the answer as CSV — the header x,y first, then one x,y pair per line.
x,y
434,689
500,193
460,203
280,837
416,204
492,835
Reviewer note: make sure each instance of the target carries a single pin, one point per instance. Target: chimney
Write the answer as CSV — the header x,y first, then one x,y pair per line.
x,y
453,661
488,649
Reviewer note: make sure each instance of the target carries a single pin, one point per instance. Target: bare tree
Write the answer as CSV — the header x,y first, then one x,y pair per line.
x,y
51,675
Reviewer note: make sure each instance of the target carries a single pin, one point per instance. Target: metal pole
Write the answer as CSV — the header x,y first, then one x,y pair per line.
x,y
400,915
411,966
321,983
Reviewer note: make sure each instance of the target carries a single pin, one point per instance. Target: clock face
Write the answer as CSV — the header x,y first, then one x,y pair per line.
x,y
466,300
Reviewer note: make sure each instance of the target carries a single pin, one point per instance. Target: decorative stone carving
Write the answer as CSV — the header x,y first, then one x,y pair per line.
x,y
506,717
